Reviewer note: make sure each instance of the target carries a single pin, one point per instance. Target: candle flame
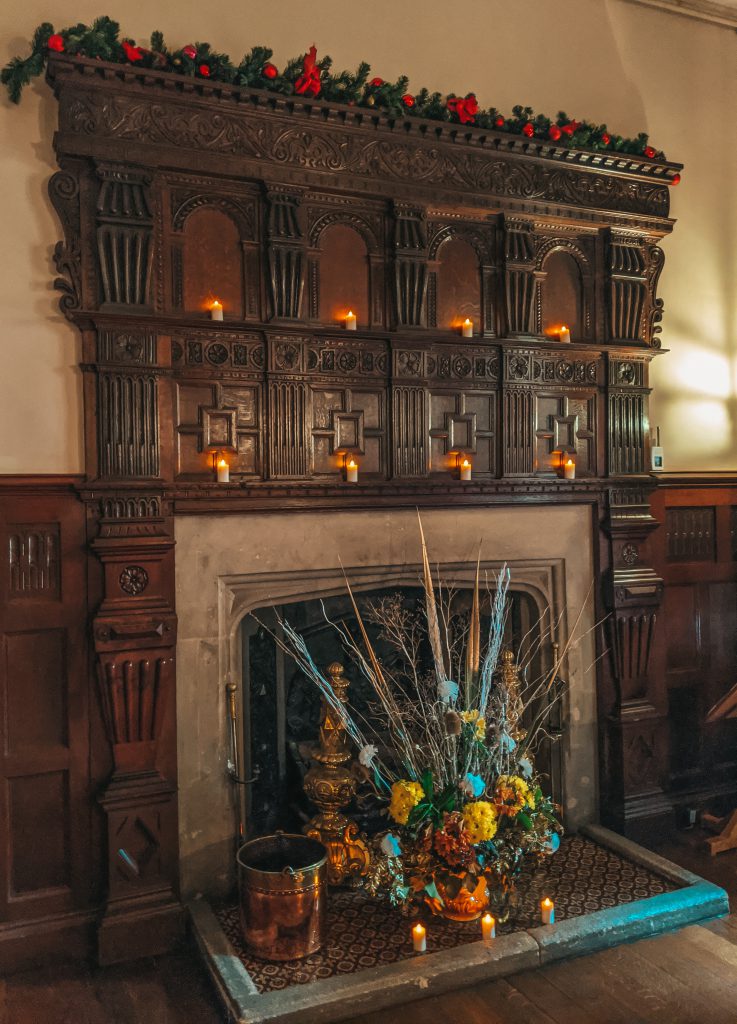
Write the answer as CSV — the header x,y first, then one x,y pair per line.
x,y
570,462
216,304
467,322
488,919
547,903
418,929
222,464
466,464
352,464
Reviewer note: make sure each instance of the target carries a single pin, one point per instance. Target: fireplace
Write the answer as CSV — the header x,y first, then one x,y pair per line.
x,y
228,568
532,440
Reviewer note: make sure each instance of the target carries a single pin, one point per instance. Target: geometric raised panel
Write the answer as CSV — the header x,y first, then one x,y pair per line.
x,y
347,419
565,423
219,427
462,423
33,560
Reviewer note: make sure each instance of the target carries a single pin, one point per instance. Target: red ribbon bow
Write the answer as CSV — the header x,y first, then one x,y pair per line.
x,y
308,83
132,52
464,109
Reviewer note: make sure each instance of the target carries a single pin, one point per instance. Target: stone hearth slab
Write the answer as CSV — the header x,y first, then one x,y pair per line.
x,y
607,890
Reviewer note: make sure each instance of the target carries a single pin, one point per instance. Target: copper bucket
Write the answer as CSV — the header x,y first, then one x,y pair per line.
x,y
283,888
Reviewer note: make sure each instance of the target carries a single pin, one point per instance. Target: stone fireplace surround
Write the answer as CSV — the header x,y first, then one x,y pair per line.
x,y
228,566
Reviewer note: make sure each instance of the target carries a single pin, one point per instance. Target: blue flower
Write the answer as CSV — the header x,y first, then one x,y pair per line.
x,y
473,785
448,691
553,843
390,846
507,743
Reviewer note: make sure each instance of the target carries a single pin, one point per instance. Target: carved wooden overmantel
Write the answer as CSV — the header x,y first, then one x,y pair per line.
x,y
172,192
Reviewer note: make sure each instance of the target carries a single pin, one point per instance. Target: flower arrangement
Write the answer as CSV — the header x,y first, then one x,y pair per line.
x,y
446,749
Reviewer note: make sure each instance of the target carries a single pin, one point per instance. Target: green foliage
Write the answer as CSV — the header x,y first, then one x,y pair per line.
x,y
102,41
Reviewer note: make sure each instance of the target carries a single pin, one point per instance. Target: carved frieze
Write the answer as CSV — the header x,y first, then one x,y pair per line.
x,y
258,134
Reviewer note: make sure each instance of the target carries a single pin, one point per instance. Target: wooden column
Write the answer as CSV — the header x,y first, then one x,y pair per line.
x,y
634,725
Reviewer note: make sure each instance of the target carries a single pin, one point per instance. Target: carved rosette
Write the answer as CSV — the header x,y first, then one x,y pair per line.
x,y
331,785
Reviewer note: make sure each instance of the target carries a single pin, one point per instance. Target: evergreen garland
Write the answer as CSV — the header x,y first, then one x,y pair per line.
x,y
102,40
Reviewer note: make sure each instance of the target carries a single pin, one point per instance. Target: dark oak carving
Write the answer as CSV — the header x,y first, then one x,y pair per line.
x,y
312,197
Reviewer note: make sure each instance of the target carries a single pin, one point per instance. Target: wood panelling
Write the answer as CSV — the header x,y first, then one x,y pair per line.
x,y
693,550
48,863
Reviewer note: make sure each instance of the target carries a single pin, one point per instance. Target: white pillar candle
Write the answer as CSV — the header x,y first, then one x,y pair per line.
x,y
467,328
216,310
547,911
564,334
488,927
419,938
465,470
350,321
351,471
223,472
569,470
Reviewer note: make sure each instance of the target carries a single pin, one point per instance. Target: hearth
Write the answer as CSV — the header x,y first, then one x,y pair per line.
x,y
227,571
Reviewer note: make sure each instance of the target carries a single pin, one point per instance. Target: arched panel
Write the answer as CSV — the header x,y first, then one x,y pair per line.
x,y
458,285
212,263
562,295
344,275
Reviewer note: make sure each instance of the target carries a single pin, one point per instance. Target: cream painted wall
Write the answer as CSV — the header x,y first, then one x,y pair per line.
x,y
607,60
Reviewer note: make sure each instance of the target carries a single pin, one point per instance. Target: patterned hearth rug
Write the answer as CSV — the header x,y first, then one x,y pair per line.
x,y
363,933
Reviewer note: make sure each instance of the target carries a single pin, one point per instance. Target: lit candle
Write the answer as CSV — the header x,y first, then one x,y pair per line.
x,y
419,938
351,471
547,911
564,334
216,310
488,927
467,328
569,470
465,470
223,472
350,321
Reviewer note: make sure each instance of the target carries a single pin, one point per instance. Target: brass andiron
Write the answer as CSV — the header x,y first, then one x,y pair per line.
x,y
331,786
512,685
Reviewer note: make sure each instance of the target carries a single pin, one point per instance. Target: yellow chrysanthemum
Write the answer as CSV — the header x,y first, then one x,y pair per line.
x,y
512,795
473,718
480,819
405,796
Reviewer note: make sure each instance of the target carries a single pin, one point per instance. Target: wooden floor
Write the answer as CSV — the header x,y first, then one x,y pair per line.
x,y
687,977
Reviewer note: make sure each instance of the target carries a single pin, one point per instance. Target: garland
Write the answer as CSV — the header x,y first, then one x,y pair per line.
x,y
311,77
